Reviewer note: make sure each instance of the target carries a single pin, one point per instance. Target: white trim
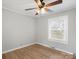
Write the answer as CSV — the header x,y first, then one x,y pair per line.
x,y
43,44
17,48
13,11
35,43
64,51
56,48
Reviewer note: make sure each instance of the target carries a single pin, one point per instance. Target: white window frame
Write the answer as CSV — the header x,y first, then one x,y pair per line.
x,y
65,18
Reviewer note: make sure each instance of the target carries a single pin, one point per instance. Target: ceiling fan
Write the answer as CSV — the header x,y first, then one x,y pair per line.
x,y
41,6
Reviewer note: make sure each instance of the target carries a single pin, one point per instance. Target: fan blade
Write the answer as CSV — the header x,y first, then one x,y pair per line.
x,y
30,9
39,3
54,3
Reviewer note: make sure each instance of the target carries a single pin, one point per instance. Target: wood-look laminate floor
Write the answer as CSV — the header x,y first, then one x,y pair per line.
x,y
37,52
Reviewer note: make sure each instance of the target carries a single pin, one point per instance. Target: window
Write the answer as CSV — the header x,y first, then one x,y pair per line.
x,y
58,29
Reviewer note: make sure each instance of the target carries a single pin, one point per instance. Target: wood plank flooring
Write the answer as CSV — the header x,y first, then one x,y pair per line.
x,y
37,52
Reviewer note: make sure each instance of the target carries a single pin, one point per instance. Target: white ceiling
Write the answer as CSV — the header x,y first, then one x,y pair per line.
x,y
19,6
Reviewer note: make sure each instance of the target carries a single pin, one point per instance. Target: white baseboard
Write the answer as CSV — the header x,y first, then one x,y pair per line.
x,y
56,48
32,44
17,48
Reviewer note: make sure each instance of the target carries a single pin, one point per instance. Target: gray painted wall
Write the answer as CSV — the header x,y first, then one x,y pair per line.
x,y
42,31
17,30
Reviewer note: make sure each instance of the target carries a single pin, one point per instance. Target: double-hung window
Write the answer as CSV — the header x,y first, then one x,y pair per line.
x,y
58,29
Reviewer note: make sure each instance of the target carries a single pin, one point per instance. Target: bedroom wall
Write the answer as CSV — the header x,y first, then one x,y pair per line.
x,y
42,31
17,30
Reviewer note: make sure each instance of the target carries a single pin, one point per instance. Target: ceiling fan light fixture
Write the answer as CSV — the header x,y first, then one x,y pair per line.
x,y
43,11
38,11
